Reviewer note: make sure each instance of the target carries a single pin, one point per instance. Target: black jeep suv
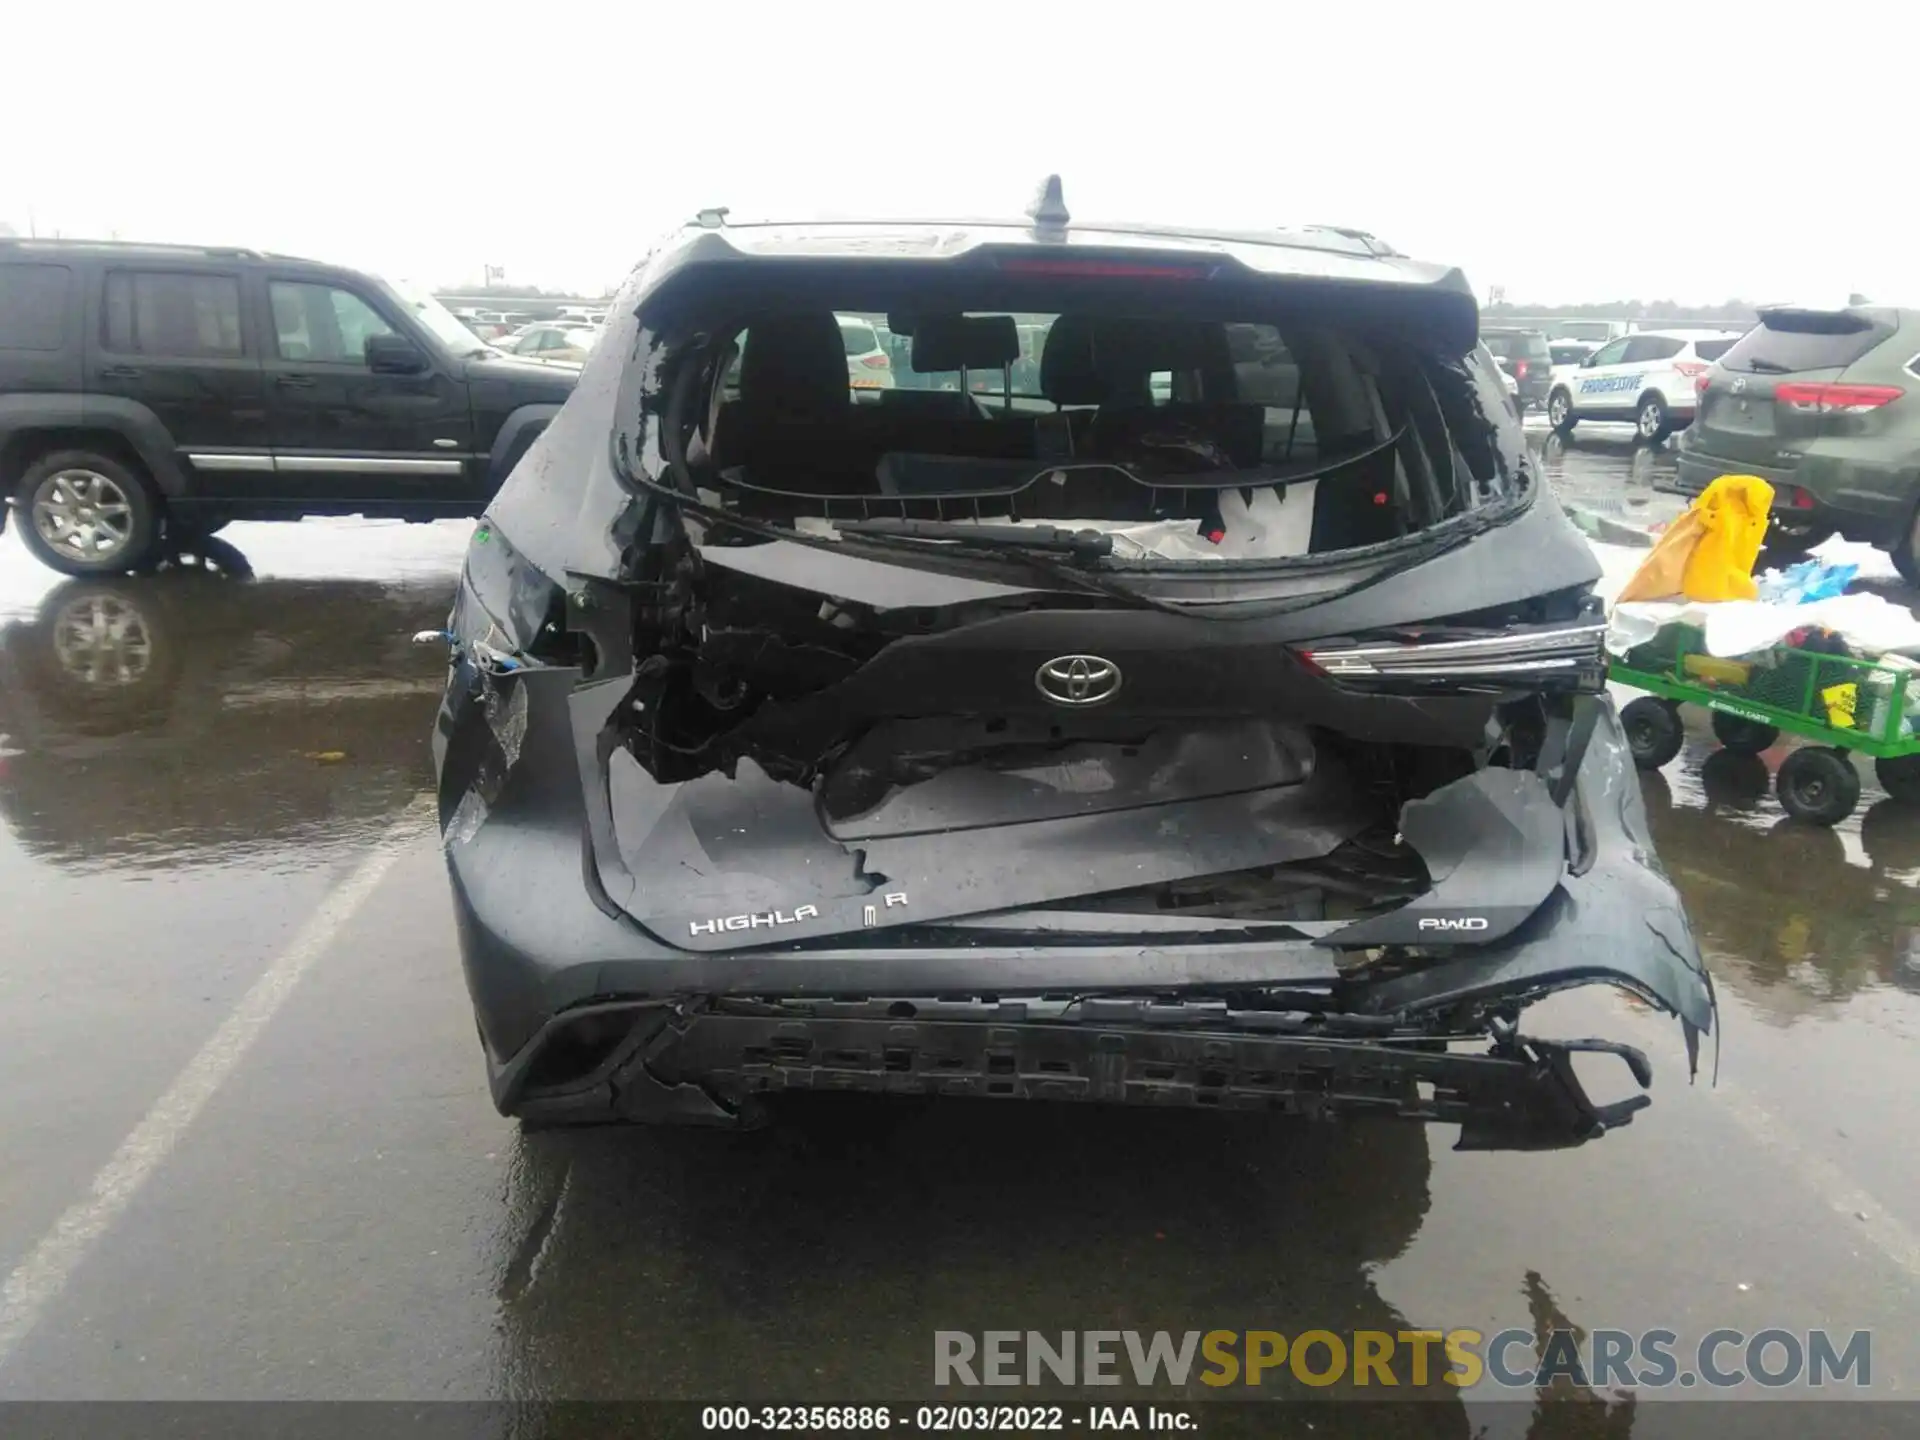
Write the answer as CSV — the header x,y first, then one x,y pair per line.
x,y
148,392
1221,723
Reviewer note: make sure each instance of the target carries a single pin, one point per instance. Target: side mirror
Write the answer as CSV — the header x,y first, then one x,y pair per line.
x,y
394,355
1586,361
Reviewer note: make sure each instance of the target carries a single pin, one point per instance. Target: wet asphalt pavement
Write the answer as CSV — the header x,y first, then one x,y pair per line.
x,y
206,780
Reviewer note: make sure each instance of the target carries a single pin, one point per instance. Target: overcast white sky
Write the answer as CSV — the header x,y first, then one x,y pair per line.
x,y
1562,150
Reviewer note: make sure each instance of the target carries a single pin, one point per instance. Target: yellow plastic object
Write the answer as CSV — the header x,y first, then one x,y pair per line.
x,y
1660,575
1715,671
1733,519
1840,701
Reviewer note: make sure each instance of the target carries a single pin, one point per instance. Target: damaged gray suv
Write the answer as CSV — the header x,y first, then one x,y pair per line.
x,y
1209,714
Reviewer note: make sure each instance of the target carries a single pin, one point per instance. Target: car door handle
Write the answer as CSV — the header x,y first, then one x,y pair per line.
x,y
294,382
119,372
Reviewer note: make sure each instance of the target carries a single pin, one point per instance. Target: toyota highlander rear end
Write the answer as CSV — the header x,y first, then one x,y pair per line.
x,y
1219,722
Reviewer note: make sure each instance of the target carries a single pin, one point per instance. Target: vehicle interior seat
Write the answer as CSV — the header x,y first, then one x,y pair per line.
x,y
951,423
1069,377
790,428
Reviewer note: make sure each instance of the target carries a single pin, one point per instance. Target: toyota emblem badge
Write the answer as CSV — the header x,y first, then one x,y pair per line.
x,y
1078,680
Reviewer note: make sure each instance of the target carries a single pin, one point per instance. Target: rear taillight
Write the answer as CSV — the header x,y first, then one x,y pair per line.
x,y
1693,369
876,362
1571,655
1519,369
1800,499
1822,398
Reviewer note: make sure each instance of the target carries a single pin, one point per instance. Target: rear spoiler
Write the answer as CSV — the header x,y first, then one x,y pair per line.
x,y
1826,319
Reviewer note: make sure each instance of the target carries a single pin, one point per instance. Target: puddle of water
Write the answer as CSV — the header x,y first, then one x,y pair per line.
x,y
189,718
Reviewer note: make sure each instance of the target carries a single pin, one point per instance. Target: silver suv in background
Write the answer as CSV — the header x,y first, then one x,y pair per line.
x,y
868,365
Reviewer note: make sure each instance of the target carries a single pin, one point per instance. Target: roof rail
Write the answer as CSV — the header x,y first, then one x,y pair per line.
x,y
236,252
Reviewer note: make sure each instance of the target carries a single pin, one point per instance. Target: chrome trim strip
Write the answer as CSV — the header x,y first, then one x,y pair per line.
x,y
366,465
211,461
1476,667
1538,649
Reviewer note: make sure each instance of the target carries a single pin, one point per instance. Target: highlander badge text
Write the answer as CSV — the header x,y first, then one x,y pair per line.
x,y
753,922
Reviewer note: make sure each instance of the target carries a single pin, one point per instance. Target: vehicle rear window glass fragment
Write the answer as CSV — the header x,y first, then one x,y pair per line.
x,y
33,306
1712,349
1280,436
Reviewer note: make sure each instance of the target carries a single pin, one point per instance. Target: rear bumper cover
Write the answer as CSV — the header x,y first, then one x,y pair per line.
x,y
1864,501
700,1036
714,1063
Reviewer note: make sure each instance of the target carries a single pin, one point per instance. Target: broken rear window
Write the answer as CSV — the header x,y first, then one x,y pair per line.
x,y
1202,436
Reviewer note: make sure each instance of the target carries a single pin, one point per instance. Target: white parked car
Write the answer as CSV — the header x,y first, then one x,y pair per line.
x,y
868,366
1646,378
1593,332
567,343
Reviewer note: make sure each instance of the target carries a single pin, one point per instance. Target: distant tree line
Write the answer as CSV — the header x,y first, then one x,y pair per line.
x,y
1739,313
501,290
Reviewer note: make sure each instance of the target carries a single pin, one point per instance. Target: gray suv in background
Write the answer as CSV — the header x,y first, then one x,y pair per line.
x,y
1528,358
1823,405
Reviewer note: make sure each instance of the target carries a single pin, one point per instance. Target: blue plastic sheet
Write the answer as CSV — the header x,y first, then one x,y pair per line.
x,y
1806,582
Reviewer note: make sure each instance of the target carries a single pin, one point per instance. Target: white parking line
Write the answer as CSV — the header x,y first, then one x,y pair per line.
x,y
1860,1211
1867,1218
40,1278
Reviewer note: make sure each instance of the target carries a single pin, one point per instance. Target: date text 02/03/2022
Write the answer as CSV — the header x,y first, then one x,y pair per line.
x,y
943,1419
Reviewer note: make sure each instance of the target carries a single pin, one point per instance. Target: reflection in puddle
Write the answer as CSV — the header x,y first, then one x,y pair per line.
x,y
1604,469
192,717
1787,913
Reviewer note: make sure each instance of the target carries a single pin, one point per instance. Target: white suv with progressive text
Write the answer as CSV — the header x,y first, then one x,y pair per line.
x,y
1646,378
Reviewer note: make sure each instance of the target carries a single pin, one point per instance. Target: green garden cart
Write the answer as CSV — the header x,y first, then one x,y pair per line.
x,y
1838,702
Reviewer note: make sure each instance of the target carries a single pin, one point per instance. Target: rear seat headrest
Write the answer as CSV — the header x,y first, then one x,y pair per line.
x,y
1130,347
1092,360
1068,375
964,342
794,367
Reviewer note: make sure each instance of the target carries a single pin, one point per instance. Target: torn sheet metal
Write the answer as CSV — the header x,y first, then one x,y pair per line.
x,y
1493,843
754,847
508,721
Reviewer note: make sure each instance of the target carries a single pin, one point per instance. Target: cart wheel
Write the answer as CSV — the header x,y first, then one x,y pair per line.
x,y
1743,737
1654,734
1899,776
1818,786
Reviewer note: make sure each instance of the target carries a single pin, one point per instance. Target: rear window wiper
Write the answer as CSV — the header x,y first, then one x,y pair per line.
x,y
1760,365
1047,539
